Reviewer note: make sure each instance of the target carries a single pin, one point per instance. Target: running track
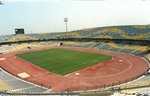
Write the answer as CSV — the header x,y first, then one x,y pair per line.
x,y
122,68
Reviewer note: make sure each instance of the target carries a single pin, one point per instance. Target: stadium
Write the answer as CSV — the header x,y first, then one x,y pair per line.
x,y
125,68
104,49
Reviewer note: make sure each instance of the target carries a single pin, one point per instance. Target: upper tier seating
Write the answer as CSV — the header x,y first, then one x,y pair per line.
x,y
138,32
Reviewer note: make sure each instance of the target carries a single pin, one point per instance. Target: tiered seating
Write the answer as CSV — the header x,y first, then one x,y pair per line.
x,y
118,32
120,47
116,47
21,37
69,44
122,94
3,50
105,46
140,32
67,35
15,47
34,89
135,90
129,48
4,86
147,56
26,45
51,43
136,32
109,33
13,84
8,47
143,81
45,36
5,38
2,39
78,44
88,44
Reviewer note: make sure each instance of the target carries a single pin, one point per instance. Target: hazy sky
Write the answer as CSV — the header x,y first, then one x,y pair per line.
x,y
37,16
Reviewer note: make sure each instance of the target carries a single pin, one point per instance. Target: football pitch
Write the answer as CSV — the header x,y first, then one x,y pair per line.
x,y
63,61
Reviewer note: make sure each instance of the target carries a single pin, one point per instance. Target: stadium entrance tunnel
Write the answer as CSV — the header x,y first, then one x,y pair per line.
x,y
61,44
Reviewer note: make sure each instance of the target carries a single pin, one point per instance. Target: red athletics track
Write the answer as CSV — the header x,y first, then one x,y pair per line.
x,y
122,68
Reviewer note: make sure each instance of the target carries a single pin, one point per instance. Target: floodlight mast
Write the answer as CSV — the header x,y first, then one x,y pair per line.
x,y
66,20
1,3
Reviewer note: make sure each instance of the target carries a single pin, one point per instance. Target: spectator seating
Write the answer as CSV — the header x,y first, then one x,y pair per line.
x,y
139,32
21,37
15,47
13,84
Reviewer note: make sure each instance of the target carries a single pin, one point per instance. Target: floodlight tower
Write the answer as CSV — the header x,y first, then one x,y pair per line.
x,y
1,3
66,20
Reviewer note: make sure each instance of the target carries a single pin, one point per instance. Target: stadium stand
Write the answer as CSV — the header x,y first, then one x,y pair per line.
x,y
21,37
140,32
13,84
23,46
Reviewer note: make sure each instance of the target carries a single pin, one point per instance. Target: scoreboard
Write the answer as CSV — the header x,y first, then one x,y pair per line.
x,y
19,31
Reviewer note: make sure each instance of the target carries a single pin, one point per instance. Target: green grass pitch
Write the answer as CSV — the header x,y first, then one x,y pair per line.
x,y
63,61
